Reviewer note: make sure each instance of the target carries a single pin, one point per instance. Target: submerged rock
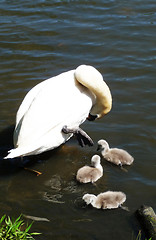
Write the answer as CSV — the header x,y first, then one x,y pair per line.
x,y
34,218
147,219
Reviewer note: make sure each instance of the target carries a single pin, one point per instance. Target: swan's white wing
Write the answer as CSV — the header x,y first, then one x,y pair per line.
x,y
28,100
25,105
49,106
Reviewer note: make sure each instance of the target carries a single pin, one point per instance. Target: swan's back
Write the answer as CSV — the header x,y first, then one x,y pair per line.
x,y
46,109
64,100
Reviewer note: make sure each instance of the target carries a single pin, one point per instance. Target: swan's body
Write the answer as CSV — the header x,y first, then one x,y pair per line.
x,y
115,155
106,200
66,99
91,173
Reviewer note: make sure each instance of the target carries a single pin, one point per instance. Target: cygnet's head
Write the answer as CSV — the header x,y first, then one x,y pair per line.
x,y
102,144
95,160
89,198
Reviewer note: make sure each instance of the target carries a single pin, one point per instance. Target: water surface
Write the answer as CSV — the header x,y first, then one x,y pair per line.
x,y
41,39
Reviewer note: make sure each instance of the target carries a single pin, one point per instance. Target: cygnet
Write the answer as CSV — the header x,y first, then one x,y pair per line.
x,y
114,155
106,200
91,173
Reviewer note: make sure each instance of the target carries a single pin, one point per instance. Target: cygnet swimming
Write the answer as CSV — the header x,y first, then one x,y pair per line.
x,y
106,200
91,173
114,155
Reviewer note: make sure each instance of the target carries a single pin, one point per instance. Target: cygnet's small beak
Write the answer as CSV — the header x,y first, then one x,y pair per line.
x,y
98,147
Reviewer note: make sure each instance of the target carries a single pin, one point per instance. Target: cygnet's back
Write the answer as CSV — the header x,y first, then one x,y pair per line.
x,y
110,199
115,155
91,173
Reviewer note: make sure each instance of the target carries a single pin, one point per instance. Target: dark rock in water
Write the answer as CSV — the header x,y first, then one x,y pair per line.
x,y
147,219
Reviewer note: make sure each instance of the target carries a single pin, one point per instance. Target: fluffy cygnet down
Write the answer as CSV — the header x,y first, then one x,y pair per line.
x,y
114,155
106,200
91,173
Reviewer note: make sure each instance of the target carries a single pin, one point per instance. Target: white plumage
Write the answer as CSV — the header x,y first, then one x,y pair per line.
x,y
66,99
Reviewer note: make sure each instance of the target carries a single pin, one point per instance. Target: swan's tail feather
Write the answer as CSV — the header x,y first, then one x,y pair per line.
x,y
13,153
23,151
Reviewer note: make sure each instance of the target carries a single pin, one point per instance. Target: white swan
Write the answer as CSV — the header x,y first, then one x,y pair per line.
x,y
114,155
91,174
106,200
52,111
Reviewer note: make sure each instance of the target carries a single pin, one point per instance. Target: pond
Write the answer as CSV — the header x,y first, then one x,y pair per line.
x,y
40,39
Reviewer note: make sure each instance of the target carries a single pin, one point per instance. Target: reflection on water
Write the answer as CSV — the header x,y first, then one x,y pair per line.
x,y
42,39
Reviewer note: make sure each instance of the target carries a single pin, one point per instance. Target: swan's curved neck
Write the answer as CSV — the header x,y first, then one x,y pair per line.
x,y
89,77
103,100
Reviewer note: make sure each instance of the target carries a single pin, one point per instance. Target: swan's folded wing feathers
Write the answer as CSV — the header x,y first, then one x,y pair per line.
x,y
50,110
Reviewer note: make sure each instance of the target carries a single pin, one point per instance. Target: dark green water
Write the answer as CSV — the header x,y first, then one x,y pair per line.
x,y
39,39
